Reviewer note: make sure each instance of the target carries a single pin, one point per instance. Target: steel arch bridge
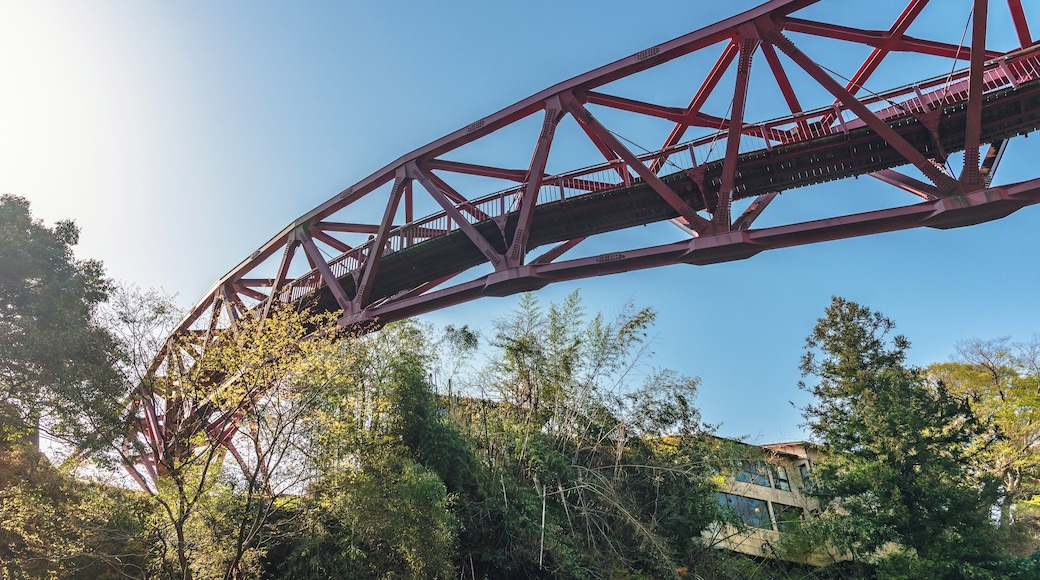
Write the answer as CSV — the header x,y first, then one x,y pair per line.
x,y
710,165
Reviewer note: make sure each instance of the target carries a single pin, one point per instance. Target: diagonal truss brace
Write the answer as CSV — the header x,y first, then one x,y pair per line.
x,y
418,174
585,118
375,251
754,210
280,277
705,90
326,274
773,35
907,183
518,247
992,159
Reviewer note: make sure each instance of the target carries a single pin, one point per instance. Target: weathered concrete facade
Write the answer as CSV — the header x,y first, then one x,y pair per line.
x,y
765,492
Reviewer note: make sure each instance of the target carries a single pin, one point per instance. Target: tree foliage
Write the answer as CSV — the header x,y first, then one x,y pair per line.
x,y
898,467
380,506
214,496
1001,381
54,357
586,472
54,525
571,472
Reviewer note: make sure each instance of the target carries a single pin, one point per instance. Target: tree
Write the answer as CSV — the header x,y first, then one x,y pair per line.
x,y
387,462
217,487
139,322
1000,379
615,469
898,467
54,357
53,525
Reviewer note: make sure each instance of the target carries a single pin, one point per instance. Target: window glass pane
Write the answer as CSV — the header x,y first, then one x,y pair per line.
x,y
751,471
803,470
753,512
780,480
786,515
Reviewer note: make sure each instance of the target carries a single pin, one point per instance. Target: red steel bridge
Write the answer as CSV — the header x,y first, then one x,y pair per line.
x,y
479,243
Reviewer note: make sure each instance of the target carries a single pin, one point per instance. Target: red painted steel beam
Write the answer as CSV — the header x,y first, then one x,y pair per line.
x,y
280,278
558,251
409,207
587,120
214,315
890,41
348,228
375,253
450,193
753,211
994,154
781,78
518,246
674,114
258,296
970,176
258,282
1018,16
326,274
877,38
433,188
774,36
232,305
907,183
702,94
969,209
517,175
749,42
328,240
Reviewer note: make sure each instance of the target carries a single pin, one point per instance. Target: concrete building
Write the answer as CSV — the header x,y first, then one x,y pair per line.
x,y
765,492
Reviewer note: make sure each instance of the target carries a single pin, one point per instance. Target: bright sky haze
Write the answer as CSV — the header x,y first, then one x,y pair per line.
x,y
181,136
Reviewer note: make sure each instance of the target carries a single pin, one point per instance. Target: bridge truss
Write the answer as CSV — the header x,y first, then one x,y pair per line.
x,y
479,244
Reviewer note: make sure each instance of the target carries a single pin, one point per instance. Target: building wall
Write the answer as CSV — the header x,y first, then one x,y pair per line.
x,y
766,491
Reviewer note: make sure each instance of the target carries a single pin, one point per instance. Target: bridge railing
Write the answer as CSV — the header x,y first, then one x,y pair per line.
x,y
1010,70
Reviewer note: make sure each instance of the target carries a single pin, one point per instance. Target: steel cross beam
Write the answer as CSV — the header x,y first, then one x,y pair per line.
x,y
414,267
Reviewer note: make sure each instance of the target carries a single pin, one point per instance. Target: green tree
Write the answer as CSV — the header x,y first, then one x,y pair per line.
x,y
54,358
55,526
1001,381
214,496
614,467
389,464
898,467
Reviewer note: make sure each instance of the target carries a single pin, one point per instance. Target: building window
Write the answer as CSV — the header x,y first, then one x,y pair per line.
x,y
780,480
753,512
786,516
751,471
803,470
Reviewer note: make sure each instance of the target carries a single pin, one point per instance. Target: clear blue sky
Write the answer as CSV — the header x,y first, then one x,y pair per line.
x,y
182,135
